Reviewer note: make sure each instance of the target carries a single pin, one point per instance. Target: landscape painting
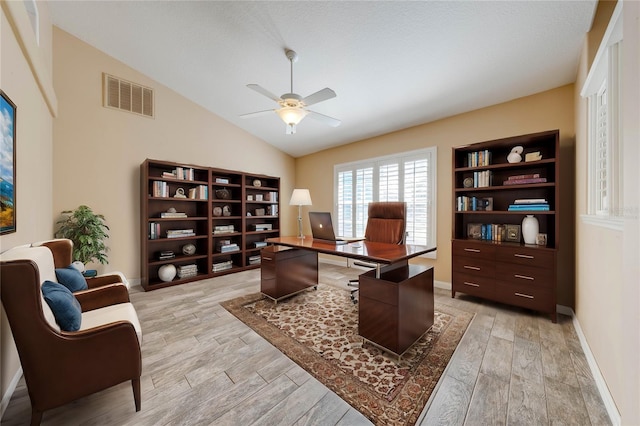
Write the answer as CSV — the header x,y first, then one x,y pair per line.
x,y
7,164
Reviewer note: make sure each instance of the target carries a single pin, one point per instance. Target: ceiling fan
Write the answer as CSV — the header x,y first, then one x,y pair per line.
x,y
292,106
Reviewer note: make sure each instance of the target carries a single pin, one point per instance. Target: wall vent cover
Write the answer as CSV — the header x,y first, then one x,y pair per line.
x,y
127,96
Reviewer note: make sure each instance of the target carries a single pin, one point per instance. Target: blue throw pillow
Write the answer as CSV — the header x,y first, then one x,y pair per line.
x,y
71,278
64,305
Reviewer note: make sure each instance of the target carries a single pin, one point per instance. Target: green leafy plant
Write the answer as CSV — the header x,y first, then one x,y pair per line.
x,y
87,230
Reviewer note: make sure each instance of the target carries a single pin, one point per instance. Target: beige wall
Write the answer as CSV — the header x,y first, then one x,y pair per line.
x,y
23,64
607,295
98,151
545,111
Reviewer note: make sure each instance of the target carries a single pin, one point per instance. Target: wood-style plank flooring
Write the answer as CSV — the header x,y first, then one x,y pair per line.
x,y
201,366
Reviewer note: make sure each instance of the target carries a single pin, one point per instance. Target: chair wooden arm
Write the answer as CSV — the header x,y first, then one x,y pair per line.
x,y
100,297
103,280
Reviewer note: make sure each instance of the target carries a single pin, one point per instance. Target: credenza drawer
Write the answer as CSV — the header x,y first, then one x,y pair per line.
x,y
473,284
527,275
472,266
527,256
474,249
526,296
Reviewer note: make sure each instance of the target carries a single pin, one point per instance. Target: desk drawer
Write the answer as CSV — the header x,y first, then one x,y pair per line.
x,y
474,249
527,256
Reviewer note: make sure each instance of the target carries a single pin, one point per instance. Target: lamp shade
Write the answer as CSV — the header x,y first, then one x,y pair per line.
x,y
300,197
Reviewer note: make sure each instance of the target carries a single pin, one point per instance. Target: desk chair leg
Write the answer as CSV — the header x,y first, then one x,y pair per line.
x,y
353,283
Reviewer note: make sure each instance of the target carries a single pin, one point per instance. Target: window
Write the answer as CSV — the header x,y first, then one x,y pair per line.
x,y
602,90
409,177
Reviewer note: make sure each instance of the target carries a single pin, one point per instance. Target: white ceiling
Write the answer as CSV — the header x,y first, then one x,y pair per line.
x,y
393,64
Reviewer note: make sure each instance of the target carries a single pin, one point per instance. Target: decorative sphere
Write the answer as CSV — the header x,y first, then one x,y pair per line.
x,y
78,265
188,249
167,272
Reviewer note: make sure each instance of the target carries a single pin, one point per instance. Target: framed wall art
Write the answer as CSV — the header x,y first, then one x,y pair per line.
x,y
7,165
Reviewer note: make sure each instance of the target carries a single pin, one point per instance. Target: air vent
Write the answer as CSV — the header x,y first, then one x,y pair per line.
x,y
127,96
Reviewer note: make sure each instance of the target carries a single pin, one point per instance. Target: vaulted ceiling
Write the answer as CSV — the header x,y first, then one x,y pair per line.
x,y
392,64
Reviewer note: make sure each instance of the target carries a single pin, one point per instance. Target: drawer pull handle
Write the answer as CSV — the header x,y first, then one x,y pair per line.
x,y
472,250
267,258
472,284
475,268
524,277
524,295
525,256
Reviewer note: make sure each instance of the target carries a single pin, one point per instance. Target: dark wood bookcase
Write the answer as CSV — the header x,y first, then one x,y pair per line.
x,y
485,262
227,215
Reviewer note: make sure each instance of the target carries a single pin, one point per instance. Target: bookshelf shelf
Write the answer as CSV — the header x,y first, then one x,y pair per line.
x,y
213,199
489,258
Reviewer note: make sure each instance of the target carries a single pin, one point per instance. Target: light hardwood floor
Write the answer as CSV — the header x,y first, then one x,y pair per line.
x,y
201,366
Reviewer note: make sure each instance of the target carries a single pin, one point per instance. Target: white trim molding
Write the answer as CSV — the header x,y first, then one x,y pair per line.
x,y
601,384
6,398
615,223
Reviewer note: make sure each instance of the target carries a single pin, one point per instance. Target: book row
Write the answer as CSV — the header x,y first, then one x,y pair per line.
x,y
479,158
161,189
466,204
180,173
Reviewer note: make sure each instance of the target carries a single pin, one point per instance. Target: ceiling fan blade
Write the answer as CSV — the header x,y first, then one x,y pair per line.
x,y
333,122
319,96
264,92
257,113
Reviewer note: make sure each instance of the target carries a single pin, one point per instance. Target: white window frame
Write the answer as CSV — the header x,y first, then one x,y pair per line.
x,y
429,154
604,179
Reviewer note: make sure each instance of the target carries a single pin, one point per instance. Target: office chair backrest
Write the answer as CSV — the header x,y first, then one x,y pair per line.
x,y
386,222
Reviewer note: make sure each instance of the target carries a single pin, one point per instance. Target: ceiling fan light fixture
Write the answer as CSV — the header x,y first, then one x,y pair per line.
x,y
291,115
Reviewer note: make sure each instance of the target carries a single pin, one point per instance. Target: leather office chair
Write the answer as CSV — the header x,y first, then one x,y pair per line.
x,y
386,224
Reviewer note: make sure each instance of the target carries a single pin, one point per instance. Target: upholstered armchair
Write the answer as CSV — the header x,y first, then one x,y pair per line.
x,y
61,366
386,223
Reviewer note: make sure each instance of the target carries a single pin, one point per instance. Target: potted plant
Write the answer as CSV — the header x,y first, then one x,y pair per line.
x,y
87,230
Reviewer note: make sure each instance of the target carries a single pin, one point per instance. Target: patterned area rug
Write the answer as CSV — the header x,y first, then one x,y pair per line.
x,y
318,330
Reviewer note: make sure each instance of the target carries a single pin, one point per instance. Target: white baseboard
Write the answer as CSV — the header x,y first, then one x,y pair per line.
x,y
601,384
9,393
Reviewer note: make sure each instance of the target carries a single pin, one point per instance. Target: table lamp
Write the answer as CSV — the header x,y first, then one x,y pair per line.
x,y
300,197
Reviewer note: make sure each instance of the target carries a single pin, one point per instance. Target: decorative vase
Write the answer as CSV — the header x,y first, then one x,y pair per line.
x,y
167,272
530,228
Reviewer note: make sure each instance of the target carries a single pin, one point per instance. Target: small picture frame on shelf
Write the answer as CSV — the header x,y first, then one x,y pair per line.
x,y
512,233
541,239
474,231
258,197
249,197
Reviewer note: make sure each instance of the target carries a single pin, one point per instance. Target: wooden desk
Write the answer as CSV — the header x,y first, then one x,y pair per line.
x,y
396,299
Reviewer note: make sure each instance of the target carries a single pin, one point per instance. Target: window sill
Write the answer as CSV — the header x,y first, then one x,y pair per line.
x,y
609,222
